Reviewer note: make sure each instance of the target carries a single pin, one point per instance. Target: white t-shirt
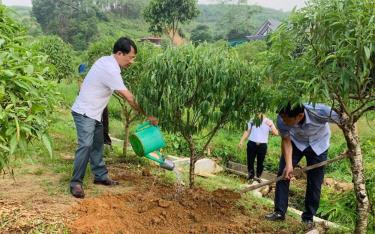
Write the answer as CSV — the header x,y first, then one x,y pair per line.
x,y
260,134
103,78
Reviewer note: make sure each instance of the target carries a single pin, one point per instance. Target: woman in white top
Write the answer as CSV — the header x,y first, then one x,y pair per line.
x,y
257,144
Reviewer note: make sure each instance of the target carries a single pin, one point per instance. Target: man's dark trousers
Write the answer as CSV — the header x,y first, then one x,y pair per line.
x,y
314,182
90,149
259,151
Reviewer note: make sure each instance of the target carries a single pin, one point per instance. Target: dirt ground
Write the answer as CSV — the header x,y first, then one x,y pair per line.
x,y
141,204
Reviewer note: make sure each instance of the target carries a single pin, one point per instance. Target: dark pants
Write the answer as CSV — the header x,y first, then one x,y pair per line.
x,y
105,121
314,183
258,151
90,148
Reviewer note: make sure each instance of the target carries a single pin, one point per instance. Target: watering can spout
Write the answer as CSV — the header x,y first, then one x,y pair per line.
x,y
168,165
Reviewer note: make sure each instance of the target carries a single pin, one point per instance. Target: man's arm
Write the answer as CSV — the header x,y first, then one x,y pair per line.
x,y
287,149
272,127
245,135
129,97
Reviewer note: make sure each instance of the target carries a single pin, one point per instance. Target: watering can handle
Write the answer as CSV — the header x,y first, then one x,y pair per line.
x,y
143,126
159,160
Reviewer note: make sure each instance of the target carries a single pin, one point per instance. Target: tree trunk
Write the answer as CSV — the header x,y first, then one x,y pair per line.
x,y
126,140
193,159
352,140
127,126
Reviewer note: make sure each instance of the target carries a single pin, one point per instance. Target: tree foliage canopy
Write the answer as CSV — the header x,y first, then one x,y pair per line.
x,y
327,50
166,15
191,89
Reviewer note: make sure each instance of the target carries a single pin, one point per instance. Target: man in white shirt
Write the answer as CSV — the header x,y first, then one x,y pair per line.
x,y
101,81
257,144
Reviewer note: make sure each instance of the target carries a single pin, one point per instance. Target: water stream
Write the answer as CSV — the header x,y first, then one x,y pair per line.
x,y
180,183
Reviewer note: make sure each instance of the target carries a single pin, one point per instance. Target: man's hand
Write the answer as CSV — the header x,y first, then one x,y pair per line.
x,y
153,120
240,145
288,172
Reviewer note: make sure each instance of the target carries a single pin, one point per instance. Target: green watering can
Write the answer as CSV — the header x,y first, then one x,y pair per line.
x,y
147,139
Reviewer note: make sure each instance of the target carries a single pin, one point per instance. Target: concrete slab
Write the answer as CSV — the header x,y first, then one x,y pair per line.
x,y
206,167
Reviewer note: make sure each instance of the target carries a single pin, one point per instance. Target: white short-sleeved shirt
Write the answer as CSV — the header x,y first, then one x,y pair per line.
x,y
260,134
103,78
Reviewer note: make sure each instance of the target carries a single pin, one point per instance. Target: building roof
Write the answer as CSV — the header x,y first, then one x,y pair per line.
x,y
267,27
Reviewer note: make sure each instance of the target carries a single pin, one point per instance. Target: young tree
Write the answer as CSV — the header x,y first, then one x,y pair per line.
x,y
164,16
326,51
192,89
27,99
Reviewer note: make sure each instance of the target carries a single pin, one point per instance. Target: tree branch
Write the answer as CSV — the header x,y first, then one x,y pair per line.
x,y
61,1
359,114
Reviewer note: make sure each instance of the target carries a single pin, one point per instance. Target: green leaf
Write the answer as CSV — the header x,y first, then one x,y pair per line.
x,y
29,69
367,52
47,143
13,144
4,147
9,73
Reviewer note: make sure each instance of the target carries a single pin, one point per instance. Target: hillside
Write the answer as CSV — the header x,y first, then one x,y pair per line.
x,y
133,25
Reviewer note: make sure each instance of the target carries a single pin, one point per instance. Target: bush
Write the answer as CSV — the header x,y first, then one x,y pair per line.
x,y
201,33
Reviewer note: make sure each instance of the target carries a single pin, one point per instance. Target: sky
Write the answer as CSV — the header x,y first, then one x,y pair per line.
x,y
285,5
17,2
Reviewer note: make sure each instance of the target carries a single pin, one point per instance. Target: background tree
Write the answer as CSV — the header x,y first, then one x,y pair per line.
x,y
26,98
74,21
326,52
195,89
165,16
60,55
201,33
237,22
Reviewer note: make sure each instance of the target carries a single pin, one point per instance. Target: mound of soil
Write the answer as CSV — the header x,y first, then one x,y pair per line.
x,y
156,208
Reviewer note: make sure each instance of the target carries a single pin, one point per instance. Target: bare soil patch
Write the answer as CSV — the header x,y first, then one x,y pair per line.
x,y
142,203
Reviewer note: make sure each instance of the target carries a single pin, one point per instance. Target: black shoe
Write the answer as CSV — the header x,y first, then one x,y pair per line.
x,y
77,191
250,177
308,225
275,216
107,182
258,179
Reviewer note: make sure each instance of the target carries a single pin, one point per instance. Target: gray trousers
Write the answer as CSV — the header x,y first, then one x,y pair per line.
x,y
90,148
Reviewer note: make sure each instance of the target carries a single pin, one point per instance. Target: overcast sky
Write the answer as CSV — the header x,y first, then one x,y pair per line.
x,y
17,2
285,5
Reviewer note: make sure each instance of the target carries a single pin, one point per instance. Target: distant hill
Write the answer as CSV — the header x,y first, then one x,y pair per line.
x,y
121,24
212,14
